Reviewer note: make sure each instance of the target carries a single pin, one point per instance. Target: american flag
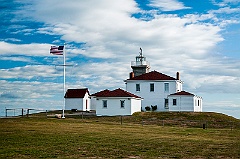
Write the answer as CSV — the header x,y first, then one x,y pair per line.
x,y
56,50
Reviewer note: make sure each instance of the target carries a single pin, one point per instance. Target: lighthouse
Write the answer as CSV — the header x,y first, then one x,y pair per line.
x,y
140,65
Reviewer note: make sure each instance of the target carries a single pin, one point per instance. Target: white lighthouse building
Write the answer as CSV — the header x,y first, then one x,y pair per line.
x,y
160,90
145,90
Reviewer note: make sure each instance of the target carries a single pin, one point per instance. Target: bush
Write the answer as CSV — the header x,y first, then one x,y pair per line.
x,y
154,107
147,108
73,110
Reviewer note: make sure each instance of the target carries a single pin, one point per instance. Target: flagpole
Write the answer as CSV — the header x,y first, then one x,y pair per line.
x,y
64,79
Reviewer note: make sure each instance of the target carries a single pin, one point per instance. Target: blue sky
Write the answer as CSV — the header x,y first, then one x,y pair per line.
x,y
200,39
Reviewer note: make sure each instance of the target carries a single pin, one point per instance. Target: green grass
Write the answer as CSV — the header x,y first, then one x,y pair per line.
x,y
207,116
92,138
189,119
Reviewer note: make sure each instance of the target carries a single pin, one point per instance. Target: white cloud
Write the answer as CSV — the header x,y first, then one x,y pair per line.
x,y
29,72
24,49
168,5
226,10
212,83
225,2
21,59
30,89
32,94
109,32
24,31
227,103
11,39
98,76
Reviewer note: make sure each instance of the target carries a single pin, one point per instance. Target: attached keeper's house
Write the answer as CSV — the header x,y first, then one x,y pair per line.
x,y
116,102
184,101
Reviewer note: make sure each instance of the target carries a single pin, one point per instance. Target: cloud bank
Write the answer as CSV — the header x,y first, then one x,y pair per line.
x,y
103,37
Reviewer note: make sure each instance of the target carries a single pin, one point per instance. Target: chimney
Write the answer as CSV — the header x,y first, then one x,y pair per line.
x,y
178,76
131,75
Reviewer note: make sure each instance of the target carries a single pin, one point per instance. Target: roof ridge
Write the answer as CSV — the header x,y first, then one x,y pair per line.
x,y
116,93
100,92
153,75
182,93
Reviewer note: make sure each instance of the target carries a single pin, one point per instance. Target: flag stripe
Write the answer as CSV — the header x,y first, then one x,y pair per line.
x,y
56,50
58,53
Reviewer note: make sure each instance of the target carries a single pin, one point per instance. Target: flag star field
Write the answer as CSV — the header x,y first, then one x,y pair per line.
x,y
200,39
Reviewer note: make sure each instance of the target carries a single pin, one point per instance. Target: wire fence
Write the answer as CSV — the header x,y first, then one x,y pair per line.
x,y
16,112
90,116
205,124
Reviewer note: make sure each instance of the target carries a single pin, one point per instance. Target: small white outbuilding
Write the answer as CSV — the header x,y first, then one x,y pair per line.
x,y
78,99
184,101
116,102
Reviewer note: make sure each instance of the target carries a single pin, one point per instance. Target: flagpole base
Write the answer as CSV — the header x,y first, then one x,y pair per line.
x,y
63,117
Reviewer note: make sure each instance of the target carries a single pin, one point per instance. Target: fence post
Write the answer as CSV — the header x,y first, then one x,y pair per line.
x,y
204,126
6,111
22,111
27,112
121,119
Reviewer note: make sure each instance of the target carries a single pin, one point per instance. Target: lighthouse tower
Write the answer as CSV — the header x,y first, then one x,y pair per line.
x,y
140,65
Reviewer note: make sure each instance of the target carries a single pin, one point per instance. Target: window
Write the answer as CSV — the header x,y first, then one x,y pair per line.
x,y
151,87
138,87
166,103
104,103
122,103
198,102
174,101
166,87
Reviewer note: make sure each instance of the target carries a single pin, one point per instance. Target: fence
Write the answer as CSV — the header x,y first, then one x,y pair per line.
x,y
192,123
14,112
124,120
205,124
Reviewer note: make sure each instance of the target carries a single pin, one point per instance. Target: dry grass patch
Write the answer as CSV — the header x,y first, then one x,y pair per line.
x,y
77,138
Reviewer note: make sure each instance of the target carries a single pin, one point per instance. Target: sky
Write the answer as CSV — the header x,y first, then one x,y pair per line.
x,y
199,39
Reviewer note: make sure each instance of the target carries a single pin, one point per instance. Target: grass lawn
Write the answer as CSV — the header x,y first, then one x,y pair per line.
x,y
88,138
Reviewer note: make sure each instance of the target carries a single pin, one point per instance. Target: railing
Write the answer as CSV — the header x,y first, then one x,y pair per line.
x,y
136,120
139,63
14,112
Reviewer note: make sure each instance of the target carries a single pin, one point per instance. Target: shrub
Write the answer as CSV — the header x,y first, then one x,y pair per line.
x,y
154,107
147,108
73,110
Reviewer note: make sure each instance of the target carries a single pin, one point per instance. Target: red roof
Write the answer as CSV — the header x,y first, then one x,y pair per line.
x,y
183,93
115,93
153,75
101,93
76,93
